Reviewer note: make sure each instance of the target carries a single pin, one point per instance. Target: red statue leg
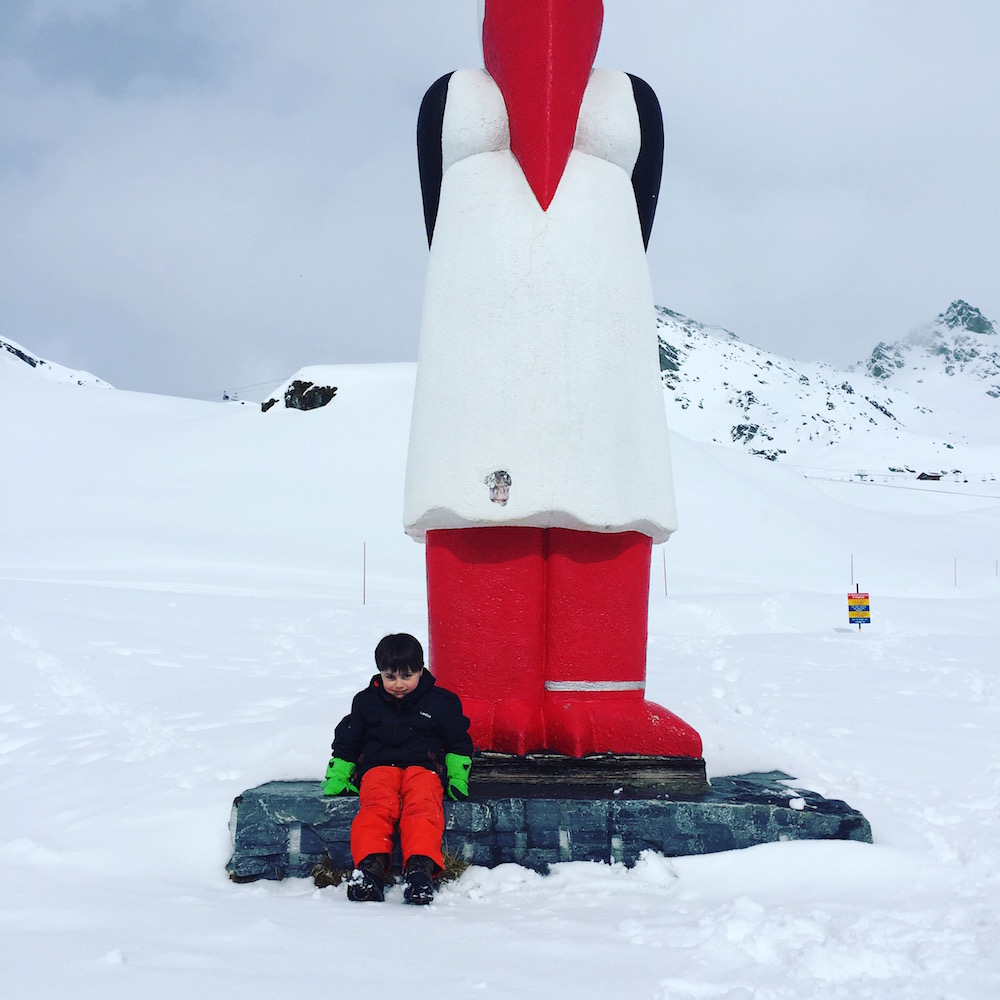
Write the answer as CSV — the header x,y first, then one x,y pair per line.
x,y
486,608
597,603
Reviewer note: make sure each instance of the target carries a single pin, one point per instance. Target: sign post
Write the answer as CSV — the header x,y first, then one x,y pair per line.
x,y
858,609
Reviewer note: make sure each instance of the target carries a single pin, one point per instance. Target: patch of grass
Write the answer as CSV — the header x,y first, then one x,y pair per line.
x,y
324,874
454,867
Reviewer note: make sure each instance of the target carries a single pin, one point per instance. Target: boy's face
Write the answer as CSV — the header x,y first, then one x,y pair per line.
x,y
398,684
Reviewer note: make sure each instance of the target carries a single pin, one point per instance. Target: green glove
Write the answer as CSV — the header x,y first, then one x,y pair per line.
x,y
338,777
458,776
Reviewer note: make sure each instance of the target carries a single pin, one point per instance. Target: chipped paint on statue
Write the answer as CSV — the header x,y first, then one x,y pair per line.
x,y
499,485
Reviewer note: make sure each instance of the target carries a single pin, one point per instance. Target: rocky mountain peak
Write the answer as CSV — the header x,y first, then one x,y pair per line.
x,y
958,340
960,315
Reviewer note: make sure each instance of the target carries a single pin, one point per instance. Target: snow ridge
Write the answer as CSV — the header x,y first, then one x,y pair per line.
x,y
926,403
20,359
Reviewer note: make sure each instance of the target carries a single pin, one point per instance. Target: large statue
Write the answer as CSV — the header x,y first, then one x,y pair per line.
x,y
539,467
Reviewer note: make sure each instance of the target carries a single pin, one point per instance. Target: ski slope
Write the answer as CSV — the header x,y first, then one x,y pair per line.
x,y
190,593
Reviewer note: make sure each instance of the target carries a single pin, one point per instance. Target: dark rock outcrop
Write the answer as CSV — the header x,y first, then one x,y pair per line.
x,y
18,353
303,395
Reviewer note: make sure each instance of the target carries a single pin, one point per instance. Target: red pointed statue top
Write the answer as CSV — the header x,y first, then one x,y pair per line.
x,y
540,54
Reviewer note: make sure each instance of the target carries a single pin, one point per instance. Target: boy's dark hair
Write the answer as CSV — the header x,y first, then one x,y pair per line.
x,y
399,653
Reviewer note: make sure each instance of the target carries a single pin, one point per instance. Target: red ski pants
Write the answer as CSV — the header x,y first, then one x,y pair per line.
x,y
409,798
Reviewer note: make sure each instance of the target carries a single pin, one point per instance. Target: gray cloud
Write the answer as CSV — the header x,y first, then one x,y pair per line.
x,y
204,195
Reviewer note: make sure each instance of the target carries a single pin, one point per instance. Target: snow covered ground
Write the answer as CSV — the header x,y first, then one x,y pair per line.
x,y
190,593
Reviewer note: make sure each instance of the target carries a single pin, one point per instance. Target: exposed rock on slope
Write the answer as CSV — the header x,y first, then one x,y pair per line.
x,y
20,359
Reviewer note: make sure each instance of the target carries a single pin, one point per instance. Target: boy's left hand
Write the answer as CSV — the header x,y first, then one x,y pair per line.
x,y
458,776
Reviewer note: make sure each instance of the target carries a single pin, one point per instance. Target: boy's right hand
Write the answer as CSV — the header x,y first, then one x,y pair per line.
x,y
458,776
338,777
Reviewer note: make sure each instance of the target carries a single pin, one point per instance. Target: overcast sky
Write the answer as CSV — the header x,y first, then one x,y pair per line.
x,y
205,195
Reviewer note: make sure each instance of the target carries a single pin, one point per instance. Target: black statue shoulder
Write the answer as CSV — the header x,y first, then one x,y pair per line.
x,y
648,168
430,122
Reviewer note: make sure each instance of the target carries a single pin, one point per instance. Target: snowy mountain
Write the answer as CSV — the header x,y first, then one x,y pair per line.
x,y
20,360
943,419
928,403
722,390
960,341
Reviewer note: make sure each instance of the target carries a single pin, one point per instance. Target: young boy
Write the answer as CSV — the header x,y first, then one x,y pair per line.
x,y
404,741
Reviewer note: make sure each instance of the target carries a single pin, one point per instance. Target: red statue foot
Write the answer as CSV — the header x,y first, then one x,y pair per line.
x,y
513,726
602,724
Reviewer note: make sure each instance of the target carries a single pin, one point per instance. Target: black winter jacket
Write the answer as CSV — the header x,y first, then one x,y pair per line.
x,y
418,729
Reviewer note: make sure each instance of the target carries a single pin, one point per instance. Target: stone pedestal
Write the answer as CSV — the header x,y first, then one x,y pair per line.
x,y
284,828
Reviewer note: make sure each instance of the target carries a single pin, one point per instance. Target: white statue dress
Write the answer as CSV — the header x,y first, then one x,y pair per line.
x,y
538,354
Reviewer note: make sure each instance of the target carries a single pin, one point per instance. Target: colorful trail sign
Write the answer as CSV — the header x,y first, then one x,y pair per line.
x,y
858,609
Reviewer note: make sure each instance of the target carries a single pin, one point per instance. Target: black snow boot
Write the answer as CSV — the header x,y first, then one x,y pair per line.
x,y
419,876
367,883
